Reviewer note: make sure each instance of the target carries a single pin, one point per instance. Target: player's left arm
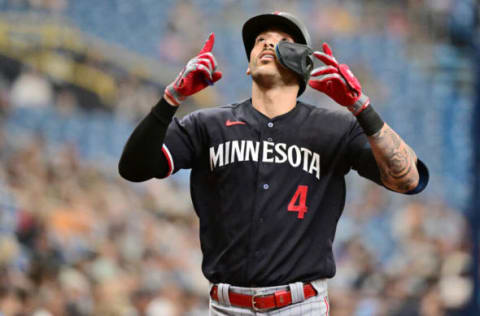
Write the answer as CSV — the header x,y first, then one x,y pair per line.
x,y
396,161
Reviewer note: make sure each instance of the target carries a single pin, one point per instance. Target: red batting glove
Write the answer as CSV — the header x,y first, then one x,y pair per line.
x,y
338,82
199,73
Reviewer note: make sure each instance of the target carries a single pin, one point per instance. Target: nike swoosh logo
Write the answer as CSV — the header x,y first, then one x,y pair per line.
x,y
231,123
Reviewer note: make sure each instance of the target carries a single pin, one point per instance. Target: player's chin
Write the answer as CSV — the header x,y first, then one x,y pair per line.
x,y
267,69
265,76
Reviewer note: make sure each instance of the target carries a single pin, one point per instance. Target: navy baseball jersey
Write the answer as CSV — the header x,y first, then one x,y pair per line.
x,y
268,192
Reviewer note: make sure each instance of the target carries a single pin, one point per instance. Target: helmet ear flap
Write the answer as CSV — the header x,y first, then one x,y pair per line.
x,y
298,58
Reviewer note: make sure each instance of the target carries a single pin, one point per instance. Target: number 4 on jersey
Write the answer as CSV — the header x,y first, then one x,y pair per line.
x,y
298,201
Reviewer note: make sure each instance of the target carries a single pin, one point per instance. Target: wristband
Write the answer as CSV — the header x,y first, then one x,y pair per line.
x,y
370,121
361,104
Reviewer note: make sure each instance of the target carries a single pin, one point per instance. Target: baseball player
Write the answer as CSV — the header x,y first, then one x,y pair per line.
x,y
267,173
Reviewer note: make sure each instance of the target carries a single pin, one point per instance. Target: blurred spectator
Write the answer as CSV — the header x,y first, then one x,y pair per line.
x,y
135,99
66,102
31,89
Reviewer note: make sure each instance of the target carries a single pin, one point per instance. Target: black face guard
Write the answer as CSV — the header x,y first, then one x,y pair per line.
x,y
296,57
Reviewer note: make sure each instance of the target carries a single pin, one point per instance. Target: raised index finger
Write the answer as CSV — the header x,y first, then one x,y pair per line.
x,y
327,59
207,47
327,49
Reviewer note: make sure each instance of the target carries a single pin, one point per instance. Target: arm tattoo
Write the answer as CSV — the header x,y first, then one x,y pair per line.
x,y
395,159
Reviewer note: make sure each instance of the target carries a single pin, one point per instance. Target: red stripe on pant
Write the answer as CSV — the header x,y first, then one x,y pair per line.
x,y
326,303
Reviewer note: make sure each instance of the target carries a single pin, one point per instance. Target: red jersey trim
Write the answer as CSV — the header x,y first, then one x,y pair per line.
x,y
231,123
169,158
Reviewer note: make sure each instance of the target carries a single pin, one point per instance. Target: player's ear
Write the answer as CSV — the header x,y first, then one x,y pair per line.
x,y
248,71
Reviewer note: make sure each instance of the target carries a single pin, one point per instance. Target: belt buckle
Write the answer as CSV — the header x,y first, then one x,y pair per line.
x,y
254,306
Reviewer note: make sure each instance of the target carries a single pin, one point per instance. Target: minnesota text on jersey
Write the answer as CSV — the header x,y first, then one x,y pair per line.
x,y
270,152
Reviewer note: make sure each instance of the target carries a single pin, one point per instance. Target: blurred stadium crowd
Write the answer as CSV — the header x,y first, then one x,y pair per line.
x,y
76,76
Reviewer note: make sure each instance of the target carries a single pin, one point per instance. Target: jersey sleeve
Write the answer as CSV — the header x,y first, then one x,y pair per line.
x,y
362,160
183,143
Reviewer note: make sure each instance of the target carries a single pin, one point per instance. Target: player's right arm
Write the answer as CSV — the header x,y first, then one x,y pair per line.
x,y
144,155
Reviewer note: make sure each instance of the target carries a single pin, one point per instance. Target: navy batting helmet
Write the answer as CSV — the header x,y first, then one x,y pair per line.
x,y
285,22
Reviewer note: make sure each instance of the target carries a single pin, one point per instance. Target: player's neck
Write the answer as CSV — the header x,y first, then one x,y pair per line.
x,y
274,101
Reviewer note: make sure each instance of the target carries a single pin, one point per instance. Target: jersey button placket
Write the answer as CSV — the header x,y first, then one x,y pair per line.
x,y
263,187
270,125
